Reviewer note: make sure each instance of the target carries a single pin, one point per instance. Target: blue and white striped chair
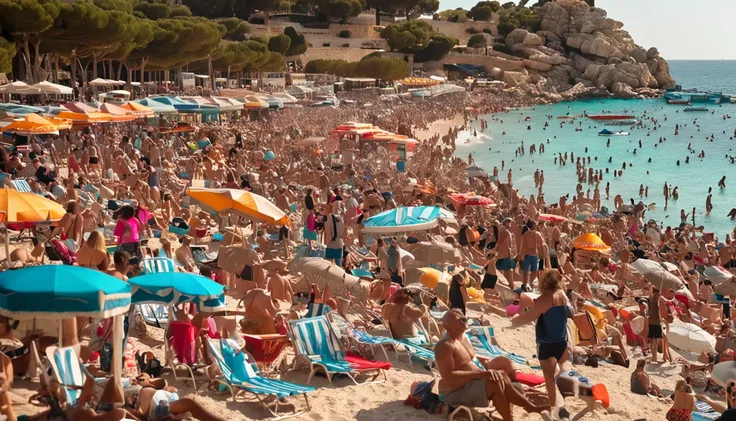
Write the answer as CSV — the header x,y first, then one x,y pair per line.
x,y
67,370
22,186
485,346
414,348
158,265
240,374
315,341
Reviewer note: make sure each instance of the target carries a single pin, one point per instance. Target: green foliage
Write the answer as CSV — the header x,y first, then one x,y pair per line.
x,y
454,15
180,11
483,10
153,11
275,63
419,38
23,17
411,9
508,5
7,52
279,44
214,9
477,41
340,9
251,55
259,38
384,68
344,34
487,31
339,68
182,40
266,6
517,17
235,29
298,42
120,5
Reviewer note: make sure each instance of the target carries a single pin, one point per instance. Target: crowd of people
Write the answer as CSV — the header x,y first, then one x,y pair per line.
x,y
127,184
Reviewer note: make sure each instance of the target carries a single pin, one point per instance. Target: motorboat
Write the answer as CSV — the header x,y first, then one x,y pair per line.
x,y
624,122
679,102
606,132
696,109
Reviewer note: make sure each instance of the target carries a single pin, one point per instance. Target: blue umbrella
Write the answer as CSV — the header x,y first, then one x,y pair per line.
x,y
405,219
269,156
171,288
60,291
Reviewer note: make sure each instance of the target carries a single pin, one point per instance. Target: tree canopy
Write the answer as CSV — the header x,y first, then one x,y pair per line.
x,y
298,42
7,52
477,41
517,17
418,37
341,10
453,15
279,44
384,68
483,10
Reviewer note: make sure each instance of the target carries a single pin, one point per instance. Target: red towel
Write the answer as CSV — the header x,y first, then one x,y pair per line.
x,y
360,363
183,343
529,379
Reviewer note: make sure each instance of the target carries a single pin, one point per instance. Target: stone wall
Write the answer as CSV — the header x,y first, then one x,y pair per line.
x,y
333,53
488,62
361,36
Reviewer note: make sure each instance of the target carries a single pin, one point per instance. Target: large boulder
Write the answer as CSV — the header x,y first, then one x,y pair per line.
x,y
554,19
497,73
661,72
532,39
513,79
640,55
652,52
622,90
593,45
544,58
537,65
517,36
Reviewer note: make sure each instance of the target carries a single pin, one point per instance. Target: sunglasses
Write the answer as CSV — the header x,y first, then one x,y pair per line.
x,y
463,319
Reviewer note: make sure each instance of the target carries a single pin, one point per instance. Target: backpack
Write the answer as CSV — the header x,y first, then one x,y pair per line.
x,y
57,250
338,227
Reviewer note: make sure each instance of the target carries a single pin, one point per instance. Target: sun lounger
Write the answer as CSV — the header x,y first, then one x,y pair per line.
x,y
314,310
414,348
359,337
67,370
158,265
239,375
154,314
317,343
704,412
586,333
484,345
22,186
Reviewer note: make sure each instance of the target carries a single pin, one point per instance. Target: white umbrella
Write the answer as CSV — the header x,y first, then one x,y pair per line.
x,y
726,288
657,274
52,88
100,82
320,271
691,338
723,373
19,88
717,275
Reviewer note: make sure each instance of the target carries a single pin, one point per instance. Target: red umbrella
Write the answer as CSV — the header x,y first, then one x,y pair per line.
x,y
548,217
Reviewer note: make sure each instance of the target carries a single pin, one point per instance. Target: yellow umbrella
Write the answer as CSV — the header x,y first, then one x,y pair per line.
x,y
590,242
243,202
33,124
17,206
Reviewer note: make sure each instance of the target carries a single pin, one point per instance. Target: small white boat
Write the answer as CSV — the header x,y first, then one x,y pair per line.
x,y
606,132
696,109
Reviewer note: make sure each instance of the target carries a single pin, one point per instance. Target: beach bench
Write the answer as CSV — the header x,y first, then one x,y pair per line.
x,y
316,342
239,374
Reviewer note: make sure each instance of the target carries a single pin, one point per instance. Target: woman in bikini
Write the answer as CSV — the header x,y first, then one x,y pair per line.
x,y
93,253
71,226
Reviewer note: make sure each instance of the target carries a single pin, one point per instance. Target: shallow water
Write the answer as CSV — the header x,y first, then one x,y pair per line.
x,y
491,146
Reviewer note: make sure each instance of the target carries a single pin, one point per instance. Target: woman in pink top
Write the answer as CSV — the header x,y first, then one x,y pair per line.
x,y
128,231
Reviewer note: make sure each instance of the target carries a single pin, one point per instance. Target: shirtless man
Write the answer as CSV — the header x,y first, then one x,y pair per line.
x,y
279,287
505,240
531,247
184,253
464,383
261,313
401,315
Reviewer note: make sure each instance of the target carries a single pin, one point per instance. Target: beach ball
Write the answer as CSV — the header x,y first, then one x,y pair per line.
x,y
269,156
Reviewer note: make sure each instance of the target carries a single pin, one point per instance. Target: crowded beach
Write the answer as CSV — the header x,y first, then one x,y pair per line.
x,y
326,264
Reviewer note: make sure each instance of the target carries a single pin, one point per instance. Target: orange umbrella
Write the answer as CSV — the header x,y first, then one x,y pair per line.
x,y
590,242
138,110
118,113
83,113
33,124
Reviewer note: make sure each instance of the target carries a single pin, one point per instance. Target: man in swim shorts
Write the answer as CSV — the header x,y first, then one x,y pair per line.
x,y
531,247
504,246
462,382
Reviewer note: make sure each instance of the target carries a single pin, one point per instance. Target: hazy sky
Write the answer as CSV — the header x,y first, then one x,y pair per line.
x,y
680,29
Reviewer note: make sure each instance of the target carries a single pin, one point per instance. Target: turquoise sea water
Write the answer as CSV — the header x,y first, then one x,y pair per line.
x,y
491,146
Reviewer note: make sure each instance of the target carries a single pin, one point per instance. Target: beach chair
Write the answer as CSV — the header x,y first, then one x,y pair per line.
x,y
154,314
587,335
240,375
359,337
315,310
415,348
158,265
22,186
268,352
180,352
317,343
485,346
67,371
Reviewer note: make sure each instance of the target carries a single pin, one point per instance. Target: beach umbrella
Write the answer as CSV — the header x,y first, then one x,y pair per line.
x,y
61,290
658,273
433,252
118,113
235,258
475,171
321,272
691,338
548,217
155,106
429,277
171,288
33,124
726,288
591,242
249,204
52,88
405,219
470,199
18,88
138,110
18,206
176,102
269,156
83,113
310,141
724,373
717,274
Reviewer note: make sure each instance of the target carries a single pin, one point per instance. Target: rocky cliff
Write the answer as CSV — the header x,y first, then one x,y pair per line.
x,y
579,48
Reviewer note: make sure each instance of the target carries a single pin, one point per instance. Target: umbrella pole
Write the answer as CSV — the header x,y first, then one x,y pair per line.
x,y
7,244
61,331
117,348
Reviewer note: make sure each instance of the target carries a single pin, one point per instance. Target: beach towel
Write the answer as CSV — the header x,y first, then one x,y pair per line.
x,y
183,343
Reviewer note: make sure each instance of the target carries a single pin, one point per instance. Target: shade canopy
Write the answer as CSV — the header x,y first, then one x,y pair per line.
x,y
691,338
176,102
171,288
235,258
52,88
18,88
80,112
243,202
62,291
718,275
155,106
118,113
433,252
429,277
35,124
405,219
724,373
591,242
321,271
28,207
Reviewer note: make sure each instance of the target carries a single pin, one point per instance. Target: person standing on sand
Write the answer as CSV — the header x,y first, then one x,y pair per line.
x,y
504,247
530,248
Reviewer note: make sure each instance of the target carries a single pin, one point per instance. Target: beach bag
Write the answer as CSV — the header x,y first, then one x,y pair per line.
x,y
148,363
462,236
338,227
421,397
58,251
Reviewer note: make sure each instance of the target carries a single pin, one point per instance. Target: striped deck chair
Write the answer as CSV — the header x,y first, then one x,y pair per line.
x,y
414,349
158,265
484,345
67,371
316,342
240,374
22,186
704,412
359,337
314,310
